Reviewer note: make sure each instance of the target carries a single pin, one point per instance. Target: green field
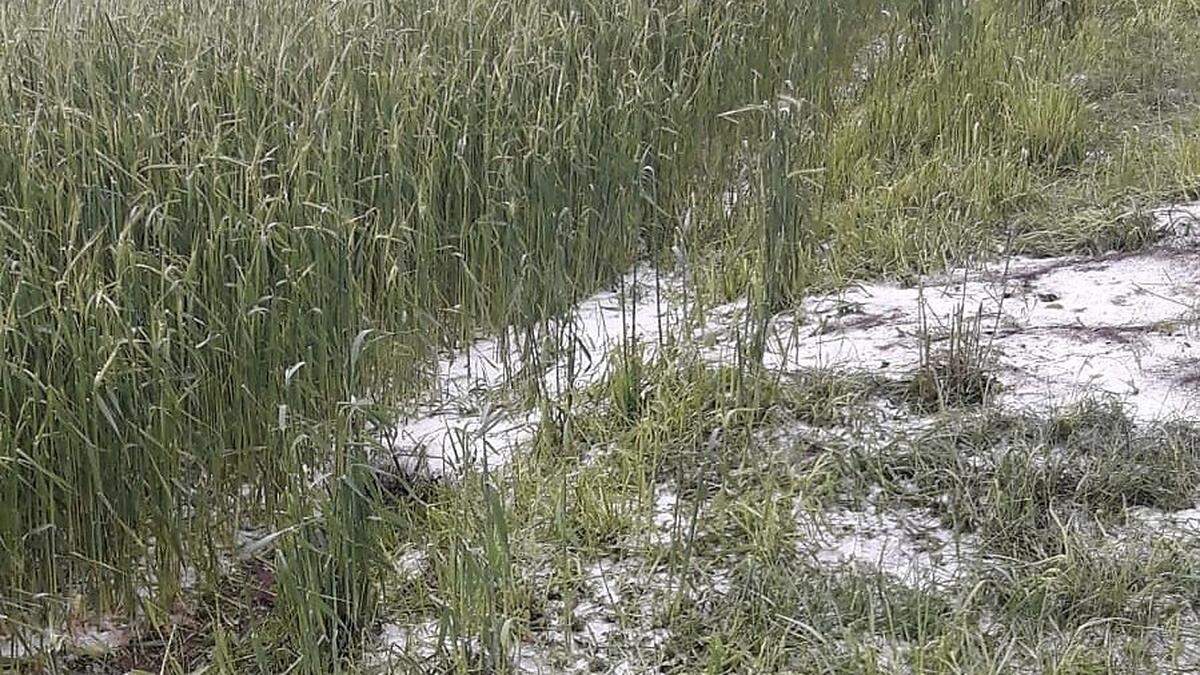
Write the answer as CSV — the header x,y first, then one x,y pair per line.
x,y
238,238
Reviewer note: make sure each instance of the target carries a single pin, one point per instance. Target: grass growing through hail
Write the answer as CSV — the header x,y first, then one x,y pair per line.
x,y
698,530
233,236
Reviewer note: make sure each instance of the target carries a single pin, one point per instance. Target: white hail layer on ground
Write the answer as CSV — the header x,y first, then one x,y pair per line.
x,y
92,637
1059,328
1127,325
460,423
910,545
605,625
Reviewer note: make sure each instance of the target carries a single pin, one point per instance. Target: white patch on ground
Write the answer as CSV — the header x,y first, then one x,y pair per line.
x,y
873,425
461,424
400,644
610,628
1180,222
1176,525
908,544
410,564
81,638
1060,329
613,627
669,518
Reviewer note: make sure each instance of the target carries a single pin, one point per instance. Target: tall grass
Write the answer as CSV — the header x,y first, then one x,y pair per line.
x,y
226,224
914,149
